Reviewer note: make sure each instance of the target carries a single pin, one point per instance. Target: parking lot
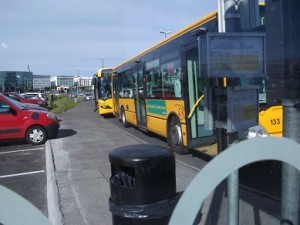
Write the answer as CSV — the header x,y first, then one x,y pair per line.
x,y
23,170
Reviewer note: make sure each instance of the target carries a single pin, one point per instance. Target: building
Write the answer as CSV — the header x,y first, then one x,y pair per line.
x,y
61,82
83,81
40,82
18,81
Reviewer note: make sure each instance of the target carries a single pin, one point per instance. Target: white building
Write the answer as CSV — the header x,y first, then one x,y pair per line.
x,y
83,81
41,82
62,82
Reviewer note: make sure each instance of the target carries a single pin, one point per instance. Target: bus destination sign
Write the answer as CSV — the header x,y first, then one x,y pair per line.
x,y
235,54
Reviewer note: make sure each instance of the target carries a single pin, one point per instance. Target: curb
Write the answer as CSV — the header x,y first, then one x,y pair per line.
x,y
54,212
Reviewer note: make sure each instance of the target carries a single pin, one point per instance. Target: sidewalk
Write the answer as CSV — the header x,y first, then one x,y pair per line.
x,y
79,169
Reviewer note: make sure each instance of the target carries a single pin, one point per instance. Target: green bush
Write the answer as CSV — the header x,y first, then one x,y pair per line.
x,y
61,103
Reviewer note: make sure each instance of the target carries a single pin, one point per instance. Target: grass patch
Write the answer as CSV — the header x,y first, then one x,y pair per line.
x,y
61,103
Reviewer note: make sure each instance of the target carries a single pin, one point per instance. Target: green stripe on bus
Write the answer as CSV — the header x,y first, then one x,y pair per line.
x,y
156,107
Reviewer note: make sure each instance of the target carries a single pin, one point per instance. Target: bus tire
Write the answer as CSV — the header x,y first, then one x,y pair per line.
x,y
119,114
175,136
123,118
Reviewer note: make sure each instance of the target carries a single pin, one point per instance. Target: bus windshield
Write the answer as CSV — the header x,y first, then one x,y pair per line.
x,y
104,83
104,87
104,91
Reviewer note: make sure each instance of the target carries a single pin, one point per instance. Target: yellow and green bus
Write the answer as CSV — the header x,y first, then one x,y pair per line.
x,y
104,91
161,90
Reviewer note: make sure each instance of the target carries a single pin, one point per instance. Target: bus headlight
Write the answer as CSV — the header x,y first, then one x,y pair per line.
x,y
256,131
105,107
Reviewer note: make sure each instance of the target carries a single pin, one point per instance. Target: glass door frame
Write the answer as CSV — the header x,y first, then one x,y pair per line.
x,y
138,72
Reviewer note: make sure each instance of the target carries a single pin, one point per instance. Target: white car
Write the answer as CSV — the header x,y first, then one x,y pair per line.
x,y
35,95
89,96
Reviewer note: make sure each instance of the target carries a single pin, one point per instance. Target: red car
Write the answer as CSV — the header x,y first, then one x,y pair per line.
x,y
22,99
16,121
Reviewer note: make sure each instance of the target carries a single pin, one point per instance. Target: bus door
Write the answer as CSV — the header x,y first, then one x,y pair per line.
x,y
139,96
197,135
115,95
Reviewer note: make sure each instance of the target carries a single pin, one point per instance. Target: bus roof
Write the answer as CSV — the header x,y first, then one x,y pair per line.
x,y
212,15
99,72
184,30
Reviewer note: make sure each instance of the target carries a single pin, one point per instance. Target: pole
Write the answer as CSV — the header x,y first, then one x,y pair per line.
x,y
231,16
233,198
221,17
230,21
290,175
233,188
284,84
165,32
102,61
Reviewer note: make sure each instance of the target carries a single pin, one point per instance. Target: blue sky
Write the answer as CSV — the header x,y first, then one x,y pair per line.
x,y
57,37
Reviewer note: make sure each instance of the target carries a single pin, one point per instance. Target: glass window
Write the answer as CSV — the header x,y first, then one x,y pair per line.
x,y
125,81
164,81
105,87
4,108
169,80
107,72
153,83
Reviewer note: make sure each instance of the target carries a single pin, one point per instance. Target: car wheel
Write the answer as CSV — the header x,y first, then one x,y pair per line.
x,y
36,135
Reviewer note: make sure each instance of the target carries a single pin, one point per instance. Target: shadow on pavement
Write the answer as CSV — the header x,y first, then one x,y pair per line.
x,y
66,133
13,142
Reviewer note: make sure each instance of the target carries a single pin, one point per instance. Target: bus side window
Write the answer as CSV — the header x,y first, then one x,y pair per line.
x,y
161,83
125,89
148,84
171,82
177,83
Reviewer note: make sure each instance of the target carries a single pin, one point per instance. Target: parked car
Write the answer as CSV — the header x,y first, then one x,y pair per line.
x,y
18,122
22,99
30,106
35,95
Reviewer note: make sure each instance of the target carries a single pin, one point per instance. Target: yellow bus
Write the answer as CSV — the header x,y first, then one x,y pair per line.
x,y
160,90
271,119
104,91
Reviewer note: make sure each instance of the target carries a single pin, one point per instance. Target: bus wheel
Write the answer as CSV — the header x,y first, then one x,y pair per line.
x,y
175,136
119,115
123,118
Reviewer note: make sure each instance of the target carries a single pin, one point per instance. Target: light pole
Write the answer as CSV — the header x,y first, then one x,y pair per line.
x,y
165,32
102,59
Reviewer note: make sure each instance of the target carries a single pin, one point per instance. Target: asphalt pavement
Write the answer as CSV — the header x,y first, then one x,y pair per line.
x,y
79,169
78,173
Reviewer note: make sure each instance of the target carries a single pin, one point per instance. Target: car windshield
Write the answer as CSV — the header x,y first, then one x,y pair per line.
x,y
17,95
34,95
14,103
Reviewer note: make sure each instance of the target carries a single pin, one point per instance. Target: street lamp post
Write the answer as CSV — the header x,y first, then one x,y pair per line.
x,y
165,32
102,59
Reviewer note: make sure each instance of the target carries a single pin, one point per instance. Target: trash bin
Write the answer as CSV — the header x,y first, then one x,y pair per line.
x,y
142,185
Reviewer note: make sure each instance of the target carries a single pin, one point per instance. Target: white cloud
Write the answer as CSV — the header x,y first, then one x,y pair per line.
x,y
3,45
